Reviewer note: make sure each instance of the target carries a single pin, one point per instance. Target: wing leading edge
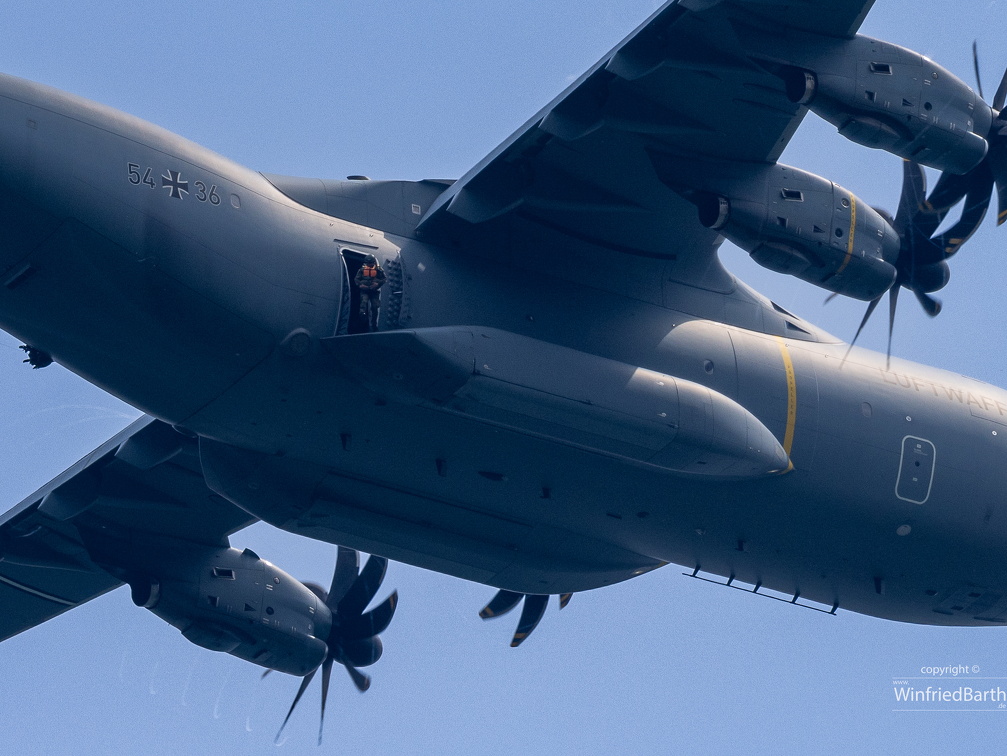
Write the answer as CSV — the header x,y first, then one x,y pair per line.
x,y
142,486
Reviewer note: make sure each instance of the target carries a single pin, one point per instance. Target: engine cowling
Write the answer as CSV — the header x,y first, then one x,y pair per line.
x,y
233,601
885,96
801,224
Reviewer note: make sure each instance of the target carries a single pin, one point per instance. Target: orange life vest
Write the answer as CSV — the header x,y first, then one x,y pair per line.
x,y
370,271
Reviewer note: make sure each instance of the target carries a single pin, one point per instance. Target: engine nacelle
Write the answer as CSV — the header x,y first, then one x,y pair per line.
x,y
798,223
888,97
233,601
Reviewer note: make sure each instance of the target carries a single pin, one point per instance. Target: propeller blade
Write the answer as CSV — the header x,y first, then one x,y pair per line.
x,y
914,195
975,64
564,599
347,566
326,674
975,187
362,653
867,316
947,193
1001,95
531,614
1001,201
977,202
893,303
997,159
362,681
373,622
502,603
929,304
364,587
300,692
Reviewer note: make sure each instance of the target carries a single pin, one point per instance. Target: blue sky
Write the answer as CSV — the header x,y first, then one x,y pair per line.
x,y
661,663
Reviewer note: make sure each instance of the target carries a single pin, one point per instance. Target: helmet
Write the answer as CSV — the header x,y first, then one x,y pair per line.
x,y
370,260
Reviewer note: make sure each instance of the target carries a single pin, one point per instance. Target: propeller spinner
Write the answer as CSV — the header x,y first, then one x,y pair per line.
x,y
922,265
353,640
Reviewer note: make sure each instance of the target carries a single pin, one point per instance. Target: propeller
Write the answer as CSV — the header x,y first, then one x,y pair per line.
x,y
922,265
992,170
353,640
531,613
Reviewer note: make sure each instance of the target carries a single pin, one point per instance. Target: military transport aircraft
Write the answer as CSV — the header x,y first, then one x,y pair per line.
x,y
554,427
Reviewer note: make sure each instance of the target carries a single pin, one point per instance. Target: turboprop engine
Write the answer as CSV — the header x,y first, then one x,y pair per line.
x,y
798,223
233,601
885,96
888,97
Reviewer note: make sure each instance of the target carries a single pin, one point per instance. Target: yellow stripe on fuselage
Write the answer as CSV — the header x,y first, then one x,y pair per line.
x,y
788,365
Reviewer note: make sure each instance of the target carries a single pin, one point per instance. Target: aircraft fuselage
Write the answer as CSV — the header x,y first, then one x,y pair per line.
x,y
197,291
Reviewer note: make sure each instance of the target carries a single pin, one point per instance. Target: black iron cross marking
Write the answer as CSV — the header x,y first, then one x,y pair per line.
x,y
173,182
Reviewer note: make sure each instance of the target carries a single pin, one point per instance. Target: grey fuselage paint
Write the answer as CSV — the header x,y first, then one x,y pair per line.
x,y
197,291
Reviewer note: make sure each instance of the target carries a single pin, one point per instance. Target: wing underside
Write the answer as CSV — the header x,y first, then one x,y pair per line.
x,y
142,486
583,168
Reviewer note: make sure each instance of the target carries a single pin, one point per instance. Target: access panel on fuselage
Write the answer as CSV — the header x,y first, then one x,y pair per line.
x,y
916,470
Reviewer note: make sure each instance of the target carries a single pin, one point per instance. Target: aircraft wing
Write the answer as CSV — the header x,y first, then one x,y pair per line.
x,y
681,84
143,485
